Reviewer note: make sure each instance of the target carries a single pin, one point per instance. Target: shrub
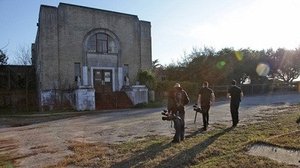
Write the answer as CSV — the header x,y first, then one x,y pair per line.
x,y
147,78
191,88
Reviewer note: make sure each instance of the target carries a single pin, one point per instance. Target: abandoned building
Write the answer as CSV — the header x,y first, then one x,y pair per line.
x,y
89,58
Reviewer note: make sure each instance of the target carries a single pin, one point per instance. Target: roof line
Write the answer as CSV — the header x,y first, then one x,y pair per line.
x,y
61,3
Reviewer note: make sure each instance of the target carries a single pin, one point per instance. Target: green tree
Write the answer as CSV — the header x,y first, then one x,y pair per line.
x,y
147,78
155,64
285,64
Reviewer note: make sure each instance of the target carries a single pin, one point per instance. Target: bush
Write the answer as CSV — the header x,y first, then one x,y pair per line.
x,y
163,87
147,78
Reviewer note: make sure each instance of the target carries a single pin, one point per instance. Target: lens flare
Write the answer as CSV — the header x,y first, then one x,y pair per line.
x,y
262,69
221,64
239,55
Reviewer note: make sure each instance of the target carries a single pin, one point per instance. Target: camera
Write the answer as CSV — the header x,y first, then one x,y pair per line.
x,y
167,116
178,124
197,109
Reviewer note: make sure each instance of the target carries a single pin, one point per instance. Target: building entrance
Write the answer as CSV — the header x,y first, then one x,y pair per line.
x,y
102,80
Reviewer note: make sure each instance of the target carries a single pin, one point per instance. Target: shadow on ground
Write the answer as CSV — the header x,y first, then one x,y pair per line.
x,y
181,159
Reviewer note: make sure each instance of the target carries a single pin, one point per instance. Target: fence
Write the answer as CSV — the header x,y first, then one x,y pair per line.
x,y
248,90
255,89
17,88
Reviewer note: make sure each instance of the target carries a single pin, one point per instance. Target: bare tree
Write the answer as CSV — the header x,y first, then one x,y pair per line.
x,y
23,56
3,58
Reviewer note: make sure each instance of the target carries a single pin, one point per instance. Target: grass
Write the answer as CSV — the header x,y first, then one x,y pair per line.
x,y
154,104
221,147
5,162
7,149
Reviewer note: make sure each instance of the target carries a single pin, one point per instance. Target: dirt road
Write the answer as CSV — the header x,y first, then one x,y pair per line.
x,y
45,143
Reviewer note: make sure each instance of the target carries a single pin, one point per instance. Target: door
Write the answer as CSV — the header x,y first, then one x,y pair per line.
x,y
102,80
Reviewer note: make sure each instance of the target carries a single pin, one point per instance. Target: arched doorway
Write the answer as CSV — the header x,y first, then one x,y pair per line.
x,y
102,58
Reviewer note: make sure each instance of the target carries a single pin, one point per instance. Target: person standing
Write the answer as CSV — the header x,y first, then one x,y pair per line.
x,y
178,98
206,97
235,94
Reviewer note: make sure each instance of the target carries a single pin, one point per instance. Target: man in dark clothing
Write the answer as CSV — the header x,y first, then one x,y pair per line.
x,y
177,99
206,97
234,93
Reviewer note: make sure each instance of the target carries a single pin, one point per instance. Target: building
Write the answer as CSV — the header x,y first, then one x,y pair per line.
x,y
82,52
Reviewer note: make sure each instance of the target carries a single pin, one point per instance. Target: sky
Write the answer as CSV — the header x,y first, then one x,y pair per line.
x,y
177,26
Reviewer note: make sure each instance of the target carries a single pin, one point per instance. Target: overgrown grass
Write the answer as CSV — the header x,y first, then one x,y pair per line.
x,y
221,147
155,104
5,162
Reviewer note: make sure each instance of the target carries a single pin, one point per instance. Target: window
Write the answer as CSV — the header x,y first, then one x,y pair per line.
x,y
77,70
101,43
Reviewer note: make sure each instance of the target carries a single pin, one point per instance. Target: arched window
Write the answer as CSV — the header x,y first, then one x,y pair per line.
x,y
101,43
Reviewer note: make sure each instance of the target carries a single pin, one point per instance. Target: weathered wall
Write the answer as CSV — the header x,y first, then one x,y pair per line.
x,y
47,56
146,55
74,24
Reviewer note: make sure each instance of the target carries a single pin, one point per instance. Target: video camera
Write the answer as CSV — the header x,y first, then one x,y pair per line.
x,y
167,116
197,109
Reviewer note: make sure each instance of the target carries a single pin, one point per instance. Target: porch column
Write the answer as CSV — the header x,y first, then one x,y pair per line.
x,y
84,75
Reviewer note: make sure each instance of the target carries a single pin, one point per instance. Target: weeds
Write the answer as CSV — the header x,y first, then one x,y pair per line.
x,y
220,147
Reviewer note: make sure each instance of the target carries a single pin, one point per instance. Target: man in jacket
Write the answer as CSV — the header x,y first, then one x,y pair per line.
x,y
206,97
235,94
177,99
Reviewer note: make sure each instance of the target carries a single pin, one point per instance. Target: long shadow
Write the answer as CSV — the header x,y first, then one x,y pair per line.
x,y
192,134
139,157
184,158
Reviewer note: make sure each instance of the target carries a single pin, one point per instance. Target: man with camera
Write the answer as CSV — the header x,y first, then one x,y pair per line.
x,y
206,97
177,99
235,94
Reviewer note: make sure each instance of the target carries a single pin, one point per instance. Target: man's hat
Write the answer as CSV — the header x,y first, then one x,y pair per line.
x,y
177,85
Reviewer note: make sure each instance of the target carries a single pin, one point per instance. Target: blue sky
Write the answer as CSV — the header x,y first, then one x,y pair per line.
x,y
177,25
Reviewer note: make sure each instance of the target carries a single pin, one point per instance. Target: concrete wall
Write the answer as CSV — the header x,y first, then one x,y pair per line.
x,y
74,24
146,55
47,54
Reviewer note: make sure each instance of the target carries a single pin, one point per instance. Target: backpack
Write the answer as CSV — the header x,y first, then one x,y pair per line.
x,y
181,98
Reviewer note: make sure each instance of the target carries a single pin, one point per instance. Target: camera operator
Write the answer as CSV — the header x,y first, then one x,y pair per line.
x,y
177,99
206,97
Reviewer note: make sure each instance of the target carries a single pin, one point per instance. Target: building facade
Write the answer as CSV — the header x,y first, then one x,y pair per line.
x,y
90,48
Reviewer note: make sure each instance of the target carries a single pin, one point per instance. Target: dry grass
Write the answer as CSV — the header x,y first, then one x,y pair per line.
x,y
289,140
220,147
7,150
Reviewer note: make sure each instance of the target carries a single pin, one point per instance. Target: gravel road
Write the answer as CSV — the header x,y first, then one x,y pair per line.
x,y
43,144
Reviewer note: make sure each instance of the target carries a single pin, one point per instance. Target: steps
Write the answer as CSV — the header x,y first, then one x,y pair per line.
x,y
113,100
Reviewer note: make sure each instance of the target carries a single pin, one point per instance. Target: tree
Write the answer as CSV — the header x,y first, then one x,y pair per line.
x,y
3,57
147,78
155,64
23,56
286,64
